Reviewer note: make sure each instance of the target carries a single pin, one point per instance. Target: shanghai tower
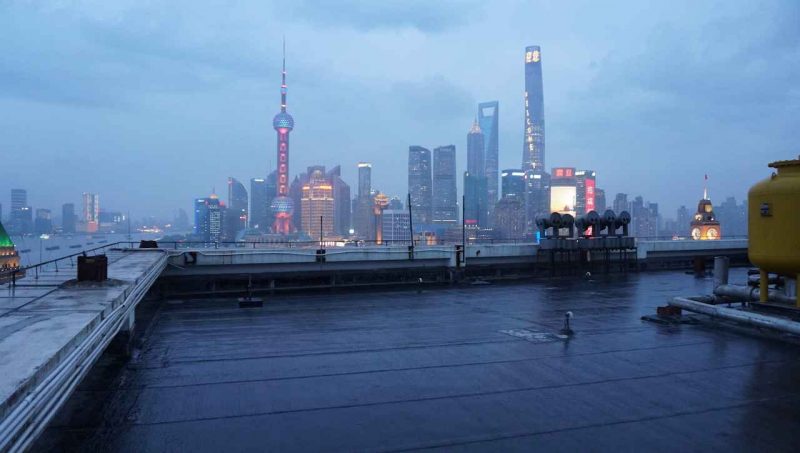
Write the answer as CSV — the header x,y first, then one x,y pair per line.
x,y
283,123
533,146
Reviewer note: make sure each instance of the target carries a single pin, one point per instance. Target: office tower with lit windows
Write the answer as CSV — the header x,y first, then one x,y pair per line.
x,y
90,218
445,203
533,144
318,205
513,183
237,213
489,120
537,197
396,226
68,218
209,216
509,218
420,185
283,123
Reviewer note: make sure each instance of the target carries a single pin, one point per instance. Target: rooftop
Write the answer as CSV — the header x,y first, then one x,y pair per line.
x,y
461,368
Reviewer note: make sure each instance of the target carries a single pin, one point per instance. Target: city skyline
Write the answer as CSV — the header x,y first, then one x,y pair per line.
x,y
101,134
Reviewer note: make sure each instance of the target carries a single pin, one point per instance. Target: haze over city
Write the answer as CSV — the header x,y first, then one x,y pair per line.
x,y
152,105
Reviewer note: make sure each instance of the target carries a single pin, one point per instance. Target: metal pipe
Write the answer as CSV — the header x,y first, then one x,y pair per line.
x,y
763,286
753,319
751,294
721,266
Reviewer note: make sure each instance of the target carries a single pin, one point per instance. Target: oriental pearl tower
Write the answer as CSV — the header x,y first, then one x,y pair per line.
x,y
283,123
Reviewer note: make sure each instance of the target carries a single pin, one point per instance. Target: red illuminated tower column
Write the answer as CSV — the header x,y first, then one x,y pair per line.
x,y
283,123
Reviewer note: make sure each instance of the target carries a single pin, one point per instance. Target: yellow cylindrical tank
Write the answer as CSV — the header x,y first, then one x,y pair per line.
x,y
773,214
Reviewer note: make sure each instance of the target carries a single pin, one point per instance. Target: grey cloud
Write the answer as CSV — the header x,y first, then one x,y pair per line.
x,y
425,16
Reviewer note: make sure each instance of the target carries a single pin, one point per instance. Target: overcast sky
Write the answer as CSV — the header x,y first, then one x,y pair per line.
x,y
153,103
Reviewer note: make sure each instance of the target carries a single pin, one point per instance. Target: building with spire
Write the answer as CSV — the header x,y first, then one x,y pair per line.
x,y
704,225
533,145
283,123
476,199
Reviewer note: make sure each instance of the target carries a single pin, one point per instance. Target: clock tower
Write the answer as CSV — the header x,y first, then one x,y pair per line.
x,y
704,225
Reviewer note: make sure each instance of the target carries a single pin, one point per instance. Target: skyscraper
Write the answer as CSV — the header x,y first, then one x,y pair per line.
x,y
236,214
68,218
537,197
513,183
395,226
475,202
362,207
283,123
341,197
43,224
318,205
509,218
533,145
91,212
489,120
445,203
419,185
476,151
21,214
209,218
259,204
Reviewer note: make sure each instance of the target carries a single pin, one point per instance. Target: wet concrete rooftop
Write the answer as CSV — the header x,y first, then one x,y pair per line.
x,y
467,368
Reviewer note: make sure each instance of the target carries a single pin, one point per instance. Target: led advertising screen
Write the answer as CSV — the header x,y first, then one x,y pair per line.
x,y
562,199
590,186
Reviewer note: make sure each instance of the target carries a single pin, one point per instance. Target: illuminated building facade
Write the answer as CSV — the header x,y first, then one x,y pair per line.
x,y
317,204
489,121
9,258
395,226
209,215
586,191
420,185
563,190
282,204
476,151
533,145
704,225
91,212
513,183
237,213
445,204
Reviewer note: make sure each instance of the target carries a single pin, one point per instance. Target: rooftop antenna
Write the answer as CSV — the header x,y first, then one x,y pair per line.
x,y
705,187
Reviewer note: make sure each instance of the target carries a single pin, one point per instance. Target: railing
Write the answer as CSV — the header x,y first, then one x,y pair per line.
x,y
12,275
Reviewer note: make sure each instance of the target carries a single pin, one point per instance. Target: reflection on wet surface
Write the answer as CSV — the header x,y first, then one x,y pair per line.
x,y
438,369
